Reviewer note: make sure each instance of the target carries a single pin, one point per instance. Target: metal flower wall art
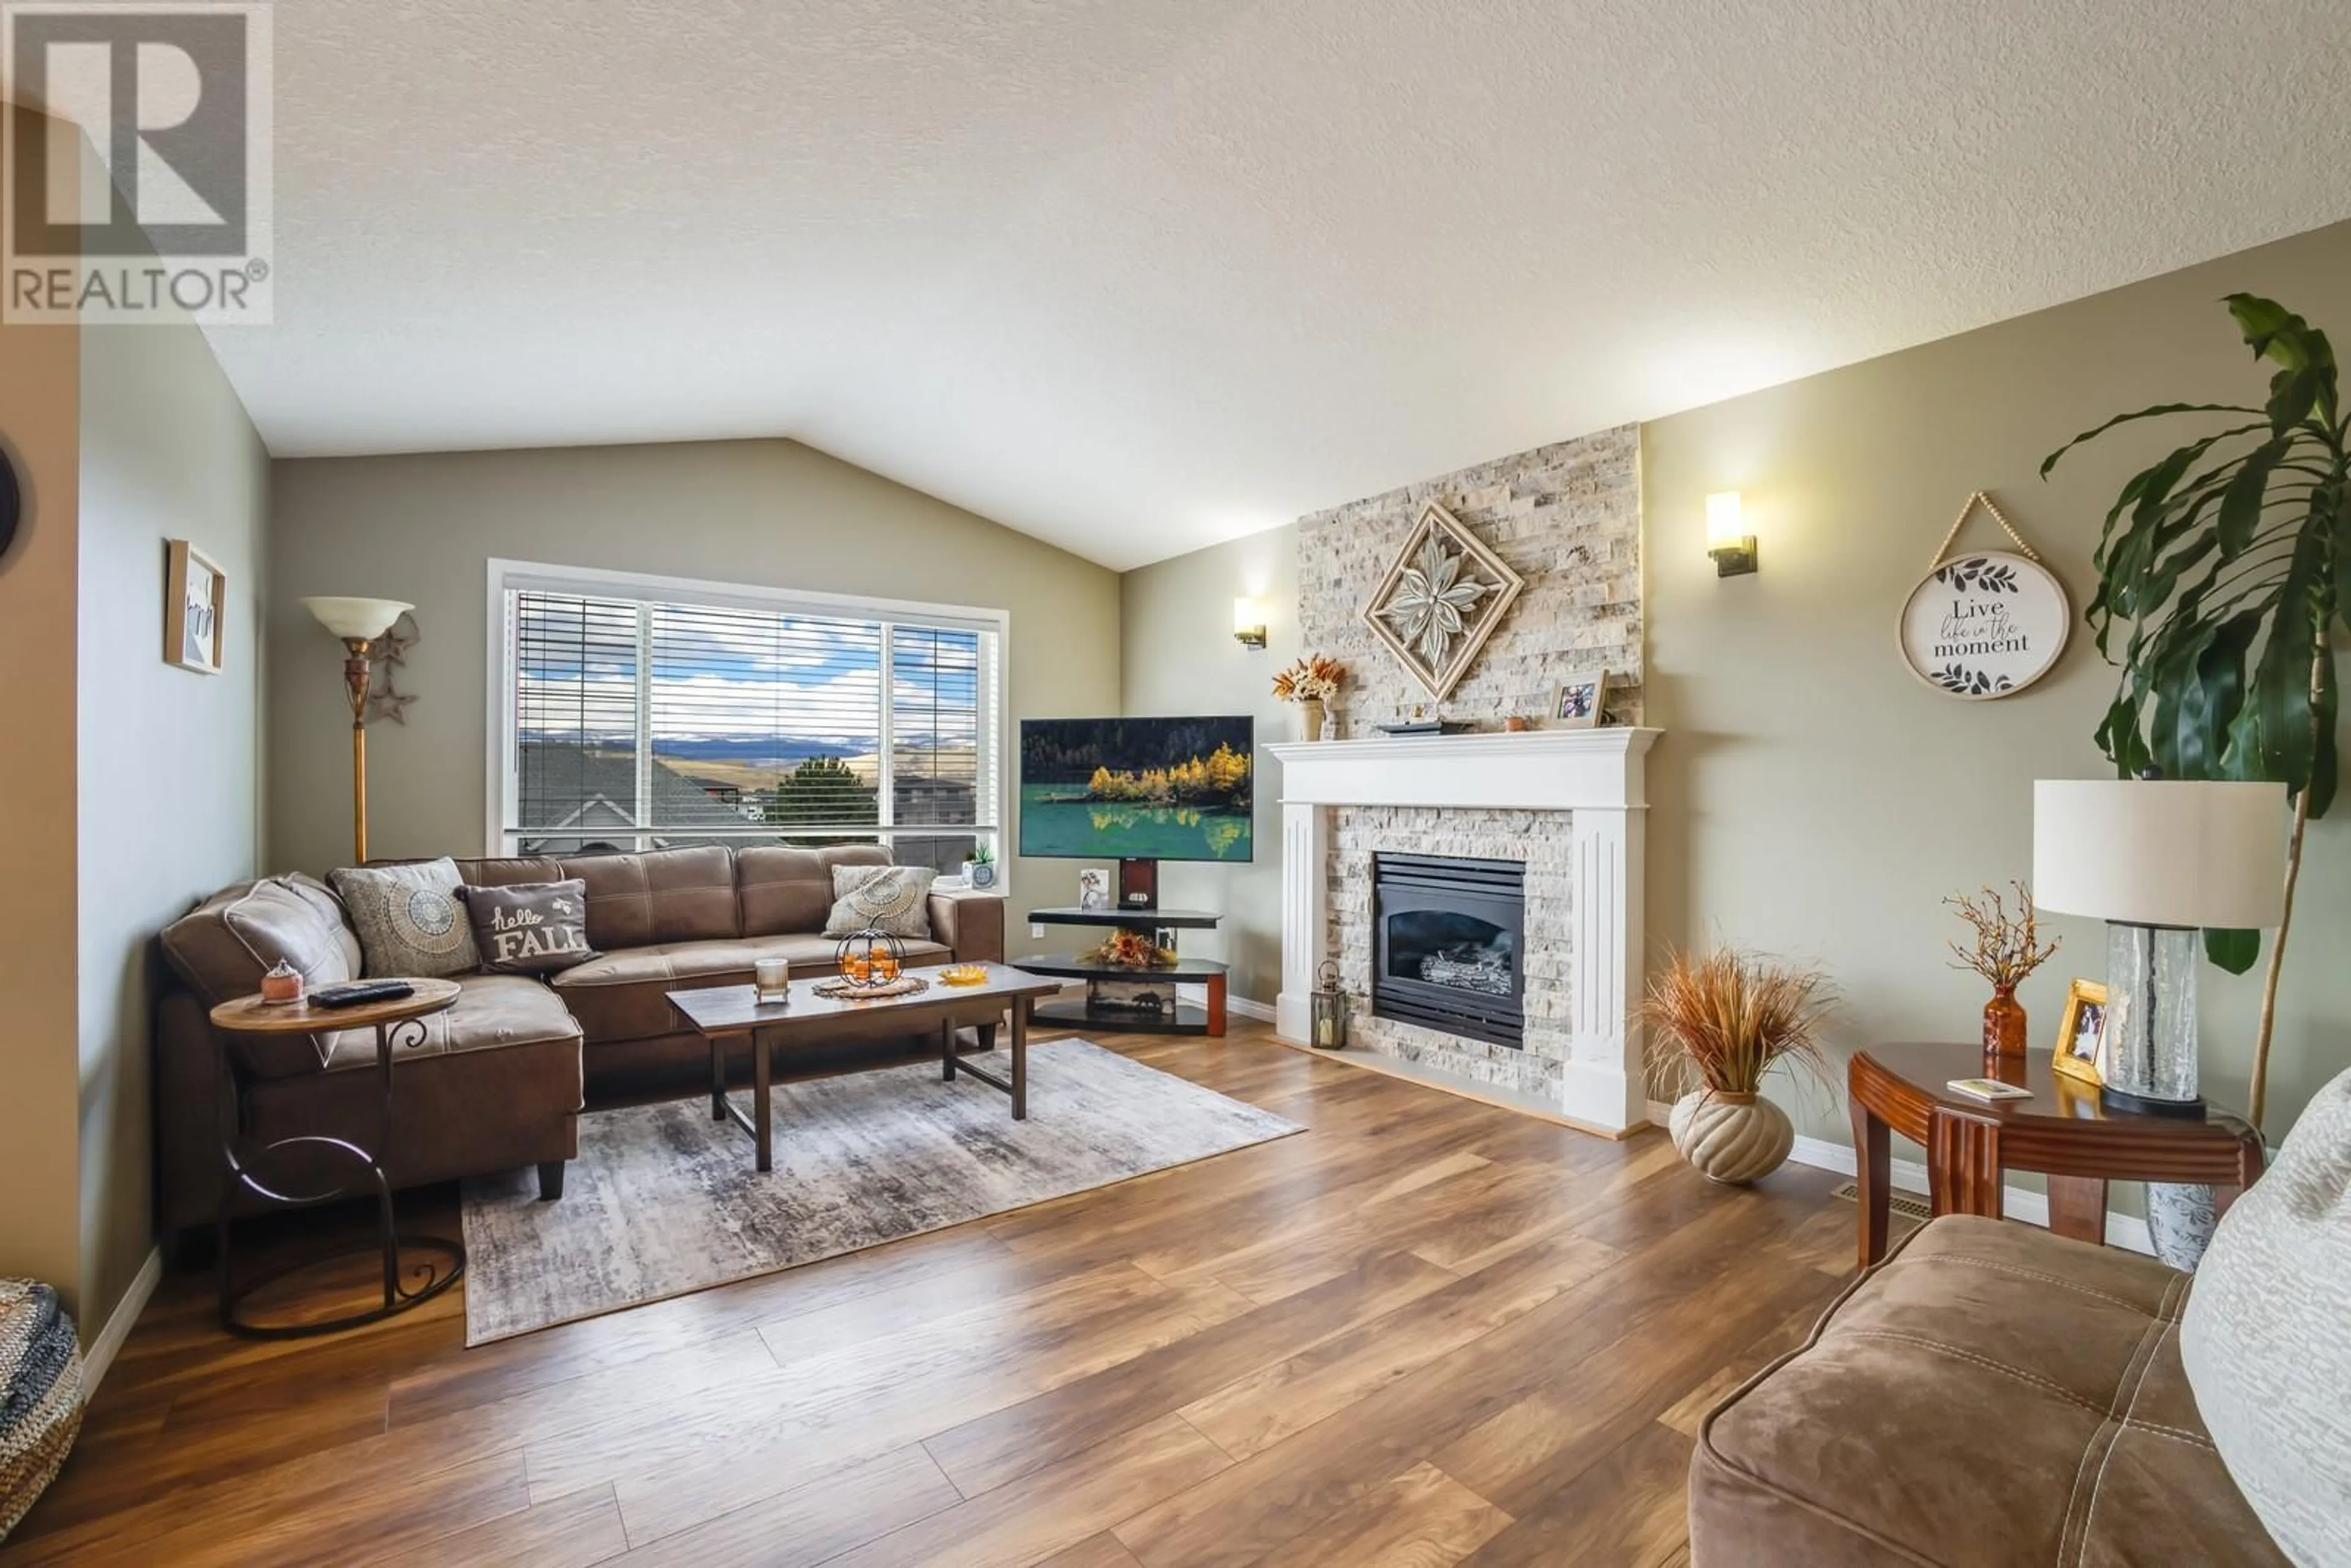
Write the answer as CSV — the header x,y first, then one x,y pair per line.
x,y
1442,598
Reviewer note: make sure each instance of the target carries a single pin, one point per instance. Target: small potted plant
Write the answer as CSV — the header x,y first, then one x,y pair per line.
x,y
1724,1019
1311,683
979,870
2008,947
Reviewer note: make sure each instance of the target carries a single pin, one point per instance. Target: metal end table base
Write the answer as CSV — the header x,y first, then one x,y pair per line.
x,y
438,1276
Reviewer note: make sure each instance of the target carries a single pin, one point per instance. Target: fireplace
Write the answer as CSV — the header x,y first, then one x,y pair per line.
x,y
1447,935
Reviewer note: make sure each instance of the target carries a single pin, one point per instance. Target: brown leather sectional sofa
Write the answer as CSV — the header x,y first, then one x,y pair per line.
x,y
499,1077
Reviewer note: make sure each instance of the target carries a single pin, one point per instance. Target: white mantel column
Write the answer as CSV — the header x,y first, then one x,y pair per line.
x,y
1305,915
1605,1080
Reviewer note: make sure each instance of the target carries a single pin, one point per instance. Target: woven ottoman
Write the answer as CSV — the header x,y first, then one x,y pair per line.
x,y
40,1394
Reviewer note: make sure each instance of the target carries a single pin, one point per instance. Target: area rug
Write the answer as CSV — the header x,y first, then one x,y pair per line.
x,y
662,1201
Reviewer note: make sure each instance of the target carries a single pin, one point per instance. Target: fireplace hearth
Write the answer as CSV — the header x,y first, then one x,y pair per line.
x,y
1447,934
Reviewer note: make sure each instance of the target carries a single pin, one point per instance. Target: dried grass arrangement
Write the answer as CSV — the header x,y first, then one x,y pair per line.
x,y
1732,1017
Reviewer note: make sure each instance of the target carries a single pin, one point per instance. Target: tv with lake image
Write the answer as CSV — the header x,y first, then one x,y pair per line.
x,y
1119,789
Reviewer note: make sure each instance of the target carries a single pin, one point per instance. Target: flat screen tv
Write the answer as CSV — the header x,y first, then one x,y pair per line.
x,y
1137,789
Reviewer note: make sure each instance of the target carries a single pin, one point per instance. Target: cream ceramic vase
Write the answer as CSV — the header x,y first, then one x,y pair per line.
x,y
1731,1137
1309,717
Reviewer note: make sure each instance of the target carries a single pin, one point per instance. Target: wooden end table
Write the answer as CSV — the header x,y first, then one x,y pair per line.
x,y
722,1013
2064,1130
396,1023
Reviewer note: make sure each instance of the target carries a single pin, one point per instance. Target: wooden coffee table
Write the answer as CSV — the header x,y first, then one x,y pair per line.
x,y
734,1012
2063,1130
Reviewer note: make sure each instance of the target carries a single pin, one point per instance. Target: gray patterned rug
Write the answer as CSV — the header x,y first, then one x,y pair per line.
x,y
662,1201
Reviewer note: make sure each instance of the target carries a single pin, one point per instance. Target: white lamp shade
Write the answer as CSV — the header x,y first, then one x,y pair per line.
x,y
1726,522
361,620
2160,851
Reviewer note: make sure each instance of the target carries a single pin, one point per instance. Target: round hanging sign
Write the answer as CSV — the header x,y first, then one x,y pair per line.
x,y
1985,625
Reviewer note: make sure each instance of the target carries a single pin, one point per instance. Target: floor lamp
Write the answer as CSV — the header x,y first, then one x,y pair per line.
x,y
359,622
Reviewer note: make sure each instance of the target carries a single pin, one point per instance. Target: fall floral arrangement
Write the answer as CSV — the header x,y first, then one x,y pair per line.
x,y
1314,679
2007,945
1125,949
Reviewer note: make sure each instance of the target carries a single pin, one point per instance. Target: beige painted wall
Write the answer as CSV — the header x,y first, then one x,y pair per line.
x,y
167,758
1810,796
775,513
40,371
1176,628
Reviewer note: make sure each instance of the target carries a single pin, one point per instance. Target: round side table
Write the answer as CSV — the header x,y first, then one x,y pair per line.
x,y
399,1022
2061,1130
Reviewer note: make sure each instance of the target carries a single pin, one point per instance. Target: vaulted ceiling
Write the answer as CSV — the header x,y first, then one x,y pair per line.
x,y
1137,276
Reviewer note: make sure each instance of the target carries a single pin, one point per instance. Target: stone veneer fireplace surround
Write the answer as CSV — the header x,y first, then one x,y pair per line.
x,y
1572,804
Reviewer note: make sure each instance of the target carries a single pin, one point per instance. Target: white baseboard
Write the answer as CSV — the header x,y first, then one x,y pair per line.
x,y
119,1323
1261,1011
1910,1176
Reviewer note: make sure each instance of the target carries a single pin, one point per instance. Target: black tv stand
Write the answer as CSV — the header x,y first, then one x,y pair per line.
x,y
1097,1009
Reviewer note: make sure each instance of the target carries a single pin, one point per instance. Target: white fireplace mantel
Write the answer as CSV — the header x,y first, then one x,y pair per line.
x,y
1596,777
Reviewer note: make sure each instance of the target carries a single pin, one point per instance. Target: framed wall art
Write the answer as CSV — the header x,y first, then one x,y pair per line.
x,y
1442,596
195,603
1984,624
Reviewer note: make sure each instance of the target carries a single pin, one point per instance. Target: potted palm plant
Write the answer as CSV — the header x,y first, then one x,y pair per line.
x,y
1725,1018
2228,564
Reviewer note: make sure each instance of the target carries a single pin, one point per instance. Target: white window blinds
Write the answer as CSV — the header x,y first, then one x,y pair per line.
x,y
647,722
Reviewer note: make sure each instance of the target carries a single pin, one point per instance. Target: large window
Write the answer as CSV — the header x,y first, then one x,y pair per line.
x,y
645,713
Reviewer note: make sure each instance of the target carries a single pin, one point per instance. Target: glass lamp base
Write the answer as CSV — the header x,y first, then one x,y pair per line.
x,y
2149,1053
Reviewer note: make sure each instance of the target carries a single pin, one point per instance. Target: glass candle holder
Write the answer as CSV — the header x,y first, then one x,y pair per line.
x,y
771,977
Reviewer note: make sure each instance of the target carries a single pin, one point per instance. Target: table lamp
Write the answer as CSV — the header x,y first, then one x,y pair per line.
x,y
359,622
2160,861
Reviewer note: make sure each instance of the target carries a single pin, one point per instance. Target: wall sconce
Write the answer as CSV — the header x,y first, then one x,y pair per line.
x,y
1249,623
1727,539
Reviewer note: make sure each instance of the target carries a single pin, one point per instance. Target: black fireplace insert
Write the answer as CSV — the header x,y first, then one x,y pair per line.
x,y
1446,941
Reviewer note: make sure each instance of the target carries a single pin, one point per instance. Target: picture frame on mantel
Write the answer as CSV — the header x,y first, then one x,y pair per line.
x,y
195,603
1582,701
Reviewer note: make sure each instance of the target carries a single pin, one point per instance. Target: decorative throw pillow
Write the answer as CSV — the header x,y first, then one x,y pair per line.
x,y
529,927
410,923
892,898
2262,1339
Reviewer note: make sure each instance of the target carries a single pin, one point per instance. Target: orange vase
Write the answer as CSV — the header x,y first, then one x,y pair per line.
x,y
2003,1033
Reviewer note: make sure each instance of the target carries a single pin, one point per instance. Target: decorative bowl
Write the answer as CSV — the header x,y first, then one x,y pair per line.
x,y
964,975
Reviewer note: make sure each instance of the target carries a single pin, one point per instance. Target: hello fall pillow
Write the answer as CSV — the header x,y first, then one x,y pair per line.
x,y
530,927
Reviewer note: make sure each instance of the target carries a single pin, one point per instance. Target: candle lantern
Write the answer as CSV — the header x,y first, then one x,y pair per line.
x,y
1330,1008
869,959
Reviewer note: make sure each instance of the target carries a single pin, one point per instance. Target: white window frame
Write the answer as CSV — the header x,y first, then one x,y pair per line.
x,y
505,577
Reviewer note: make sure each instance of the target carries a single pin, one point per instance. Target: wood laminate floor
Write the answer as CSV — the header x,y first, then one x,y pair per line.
x,y
1429,1332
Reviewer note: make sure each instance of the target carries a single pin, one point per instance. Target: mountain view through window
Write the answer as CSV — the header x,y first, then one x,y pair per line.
x,y
642,724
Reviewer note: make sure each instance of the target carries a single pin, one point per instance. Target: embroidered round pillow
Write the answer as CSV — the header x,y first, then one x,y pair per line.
x,y
410,918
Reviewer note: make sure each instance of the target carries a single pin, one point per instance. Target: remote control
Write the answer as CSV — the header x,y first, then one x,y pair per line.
x,y
359,993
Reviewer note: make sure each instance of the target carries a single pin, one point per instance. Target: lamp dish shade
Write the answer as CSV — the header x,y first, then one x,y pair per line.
x,y
2160,851
357,619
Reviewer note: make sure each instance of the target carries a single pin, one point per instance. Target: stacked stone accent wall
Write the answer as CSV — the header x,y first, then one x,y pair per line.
x,y
1568,518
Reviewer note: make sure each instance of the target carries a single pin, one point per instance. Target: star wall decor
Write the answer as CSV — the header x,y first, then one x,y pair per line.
x,y
1442,596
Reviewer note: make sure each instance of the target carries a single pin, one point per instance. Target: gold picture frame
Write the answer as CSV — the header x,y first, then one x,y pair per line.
x,y
195,603
1587,695
2080,1050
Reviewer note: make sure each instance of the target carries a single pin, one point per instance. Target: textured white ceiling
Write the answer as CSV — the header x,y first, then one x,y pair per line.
x,y
1137,276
